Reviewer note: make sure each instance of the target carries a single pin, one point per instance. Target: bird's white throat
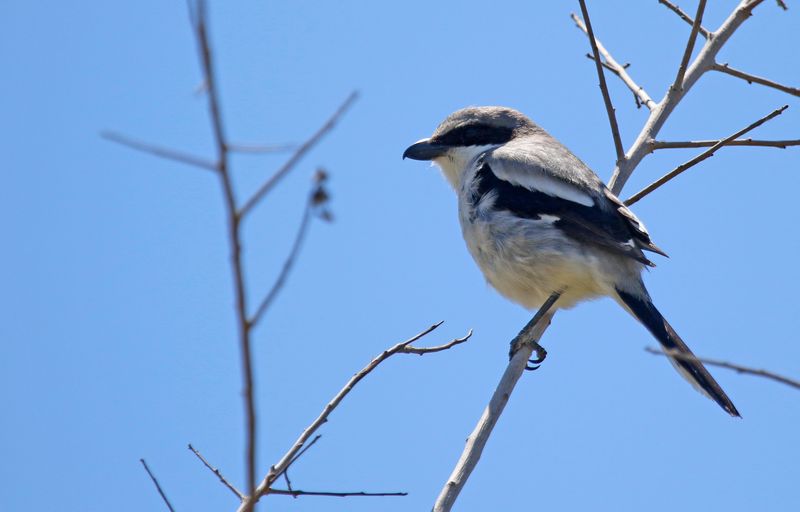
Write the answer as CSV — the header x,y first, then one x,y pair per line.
x,y
458,159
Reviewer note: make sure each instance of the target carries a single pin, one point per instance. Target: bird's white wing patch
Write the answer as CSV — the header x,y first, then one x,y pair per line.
x,y
532,178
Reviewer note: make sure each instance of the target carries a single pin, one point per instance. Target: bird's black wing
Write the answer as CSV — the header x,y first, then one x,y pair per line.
x,y
577,214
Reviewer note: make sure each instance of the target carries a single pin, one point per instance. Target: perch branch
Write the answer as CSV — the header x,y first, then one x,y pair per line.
x,y
702,156
612,118
730,366
753,79
158,486
217,472
279,468
525,340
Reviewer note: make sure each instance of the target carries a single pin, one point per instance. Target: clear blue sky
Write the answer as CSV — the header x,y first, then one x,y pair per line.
x,y
118,328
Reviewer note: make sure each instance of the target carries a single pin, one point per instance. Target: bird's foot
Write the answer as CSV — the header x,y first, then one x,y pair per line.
x,y
533,364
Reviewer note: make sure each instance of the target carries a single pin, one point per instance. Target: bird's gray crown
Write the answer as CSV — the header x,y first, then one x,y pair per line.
x,y
473,126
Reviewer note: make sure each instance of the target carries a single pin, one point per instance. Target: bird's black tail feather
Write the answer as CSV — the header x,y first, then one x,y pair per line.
x,y
691,369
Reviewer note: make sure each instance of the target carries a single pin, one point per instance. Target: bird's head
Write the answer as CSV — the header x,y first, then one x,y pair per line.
x,y
467,133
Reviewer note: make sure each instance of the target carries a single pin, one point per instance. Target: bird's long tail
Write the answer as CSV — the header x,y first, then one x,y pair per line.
x,y
691,369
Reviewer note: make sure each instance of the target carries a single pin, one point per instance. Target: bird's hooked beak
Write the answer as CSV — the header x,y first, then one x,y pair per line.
x,y
424,150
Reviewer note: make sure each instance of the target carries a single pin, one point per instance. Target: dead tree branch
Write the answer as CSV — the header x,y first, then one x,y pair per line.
x,y
782,144
200,24
659,115
621,71
217,472
260,148
753,79
685,17
687,53
612,118
265,487
526,340
316,200
158,486
702,156
730,366
304,148
160,151
297,492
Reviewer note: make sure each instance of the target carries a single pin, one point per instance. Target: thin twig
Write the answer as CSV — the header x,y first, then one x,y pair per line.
x,y
287,265
783,144
300,454
525,341
730,366
687,53
298,492
702,156
615,67
421,351
753,79
685,17
782,5
612,118
199,19
217,472
158,486
160,151
275,471
298,154
260,148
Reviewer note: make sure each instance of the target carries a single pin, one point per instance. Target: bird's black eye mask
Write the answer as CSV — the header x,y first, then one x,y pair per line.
x,y
474,135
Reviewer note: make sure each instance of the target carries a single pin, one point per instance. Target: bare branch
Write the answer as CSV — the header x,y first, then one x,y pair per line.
x,y
301,452
525,341
421,351
702,156
158,487
260,148
612,65
275,471
783,144
782,5
687,53
217,472
730,366
160,151
296,492
751,79
298,154
612,118
659,115
287,266
199,20
685,17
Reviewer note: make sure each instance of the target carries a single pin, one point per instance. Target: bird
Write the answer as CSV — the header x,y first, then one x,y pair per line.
x,y
537,220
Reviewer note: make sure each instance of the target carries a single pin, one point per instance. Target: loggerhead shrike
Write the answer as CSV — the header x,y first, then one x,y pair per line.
x,y
537,220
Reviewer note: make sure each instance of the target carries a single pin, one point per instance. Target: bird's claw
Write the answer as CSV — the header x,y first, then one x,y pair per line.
x,y
541,355
535,363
